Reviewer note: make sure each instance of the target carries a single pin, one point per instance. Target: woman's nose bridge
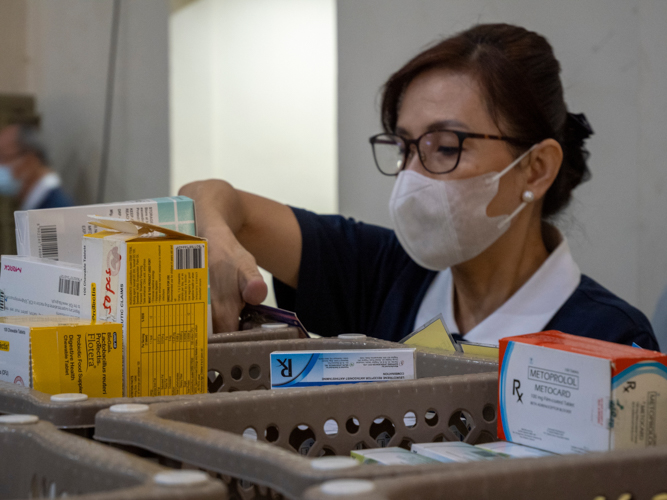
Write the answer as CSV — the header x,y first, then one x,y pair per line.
x,y
413,162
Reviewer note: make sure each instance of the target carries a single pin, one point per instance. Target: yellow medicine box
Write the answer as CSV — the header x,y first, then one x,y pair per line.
x,y
56,354
156,286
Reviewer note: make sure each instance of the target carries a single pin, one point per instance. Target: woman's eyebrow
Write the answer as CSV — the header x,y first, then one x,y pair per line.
x,y
446,124
439,125
402,132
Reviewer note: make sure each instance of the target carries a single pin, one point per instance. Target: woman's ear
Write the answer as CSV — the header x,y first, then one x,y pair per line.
x,y
545,162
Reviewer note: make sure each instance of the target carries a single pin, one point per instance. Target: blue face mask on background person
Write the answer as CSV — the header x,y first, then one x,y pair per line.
x,y
9,186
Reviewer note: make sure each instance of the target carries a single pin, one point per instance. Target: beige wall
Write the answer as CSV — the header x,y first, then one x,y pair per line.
x,y
253,98
68,45
13,56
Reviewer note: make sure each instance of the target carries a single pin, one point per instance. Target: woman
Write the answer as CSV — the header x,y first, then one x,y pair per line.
x,y
477,131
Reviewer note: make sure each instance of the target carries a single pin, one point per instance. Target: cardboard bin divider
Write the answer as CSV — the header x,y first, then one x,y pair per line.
x,y
233,366
625,474
255,334
245,366
257,439
77,415
45,462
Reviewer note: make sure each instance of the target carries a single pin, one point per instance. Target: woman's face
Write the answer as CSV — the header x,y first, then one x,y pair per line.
x,y
442,99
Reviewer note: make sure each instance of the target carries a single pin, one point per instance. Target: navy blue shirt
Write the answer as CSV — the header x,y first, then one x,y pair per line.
x,y
356,278
56,198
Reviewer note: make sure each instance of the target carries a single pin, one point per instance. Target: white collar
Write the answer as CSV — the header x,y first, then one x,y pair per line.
x,y
40,191
527,311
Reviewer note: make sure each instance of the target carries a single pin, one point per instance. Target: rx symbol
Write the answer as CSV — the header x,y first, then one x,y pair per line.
x,y
629,386
287,367
515,390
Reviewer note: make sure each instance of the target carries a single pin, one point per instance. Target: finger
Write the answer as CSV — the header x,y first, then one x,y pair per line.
x,y
251,285
255,291
226,316
226,302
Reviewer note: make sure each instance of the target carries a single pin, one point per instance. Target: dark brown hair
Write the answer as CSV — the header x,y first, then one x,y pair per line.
x,y
520,78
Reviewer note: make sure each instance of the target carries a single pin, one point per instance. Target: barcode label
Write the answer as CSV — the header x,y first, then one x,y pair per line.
x,y
2,300
70,286
47,238
189,257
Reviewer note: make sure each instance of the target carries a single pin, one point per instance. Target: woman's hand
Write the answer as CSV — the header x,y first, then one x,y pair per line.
x,y
243,231
235,279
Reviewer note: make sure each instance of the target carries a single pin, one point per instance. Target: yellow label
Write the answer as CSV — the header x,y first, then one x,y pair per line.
x,y
93,301
86,359
480,350
434,335
166,325
4,345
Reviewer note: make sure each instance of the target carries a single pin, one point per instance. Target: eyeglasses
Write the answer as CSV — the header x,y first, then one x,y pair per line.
x,y
439,150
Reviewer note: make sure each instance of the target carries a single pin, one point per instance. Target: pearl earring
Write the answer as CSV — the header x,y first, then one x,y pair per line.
x,y
528,196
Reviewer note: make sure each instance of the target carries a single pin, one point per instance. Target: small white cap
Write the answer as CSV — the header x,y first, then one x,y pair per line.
x,y
129,408
180,477
347,487
333,463
19,419
274,326
351,336
69,397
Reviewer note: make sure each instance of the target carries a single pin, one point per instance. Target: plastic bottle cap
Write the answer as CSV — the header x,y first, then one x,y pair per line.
x,y
351,336
19,419
129,408
274,326
180,477
347,486
333,463
69,397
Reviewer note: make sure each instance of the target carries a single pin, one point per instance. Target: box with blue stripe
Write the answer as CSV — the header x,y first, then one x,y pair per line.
x,y
568,394
317,368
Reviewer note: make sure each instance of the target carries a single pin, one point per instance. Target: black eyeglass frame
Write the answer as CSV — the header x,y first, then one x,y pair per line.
x,y
459,134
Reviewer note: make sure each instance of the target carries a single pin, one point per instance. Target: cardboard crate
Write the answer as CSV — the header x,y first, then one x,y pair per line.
x,y
290,433
637,474
246,366
71,412
232,367
276,331
39,461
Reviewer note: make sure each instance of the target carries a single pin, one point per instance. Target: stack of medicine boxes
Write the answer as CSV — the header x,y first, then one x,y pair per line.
x,y
150,289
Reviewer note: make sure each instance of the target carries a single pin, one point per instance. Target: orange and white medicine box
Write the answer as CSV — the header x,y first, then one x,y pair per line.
x,y
156,286
570,394
30,285
56,355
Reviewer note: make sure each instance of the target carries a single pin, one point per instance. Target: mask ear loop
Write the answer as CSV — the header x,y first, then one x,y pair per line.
x,y
511,216
509,167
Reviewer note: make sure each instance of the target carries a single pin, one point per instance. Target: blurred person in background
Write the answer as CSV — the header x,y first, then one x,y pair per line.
x,y
24,171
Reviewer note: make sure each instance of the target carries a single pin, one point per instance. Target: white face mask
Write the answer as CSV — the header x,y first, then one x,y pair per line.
x,y
441,223
9,186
